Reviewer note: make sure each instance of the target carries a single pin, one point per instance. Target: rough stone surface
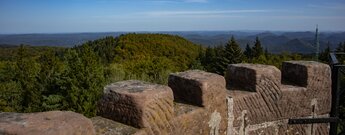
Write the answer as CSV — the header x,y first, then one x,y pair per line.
x,y
45,123
105,126
252,77
197,87
260,100
203,89
305,73
139,104
315,78
180,108
268,104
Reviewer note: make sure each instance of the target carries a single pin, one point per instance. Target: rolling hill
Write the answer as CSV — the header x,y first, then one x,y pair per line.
x,y
274,41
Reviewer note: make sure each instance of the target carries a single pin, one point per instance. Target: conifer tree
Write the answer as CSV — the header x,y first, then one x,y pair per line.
x,y
248,52
209,60
27,70
266,52
257,48
197,63
233,53
324,56
340,47
84,80
50,80
220,62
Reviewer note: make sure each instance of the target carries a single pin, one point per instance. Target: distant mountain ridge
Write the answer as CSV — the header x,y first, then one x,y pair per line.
x,y
65,40
275,42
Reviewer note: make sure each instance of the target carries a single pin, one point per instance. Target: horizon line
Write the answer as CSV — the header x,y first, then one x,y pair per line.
x,y
157,31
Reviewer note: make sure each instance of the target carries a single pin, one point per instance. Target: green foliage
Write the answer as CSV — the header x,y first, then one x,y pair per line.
x,y
275,59
217,59
115,72
220,62
10,97
324,55
179,51
208,61
50,78
233,53
52,68
248,52
44,82
197,64
257,49
84,80
7,53
149,57
340,47
54,102
154,69
105,48
26,73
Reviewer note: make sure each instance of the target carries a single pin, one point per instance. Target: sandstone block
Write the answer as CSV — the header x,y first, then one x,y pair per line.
x,y
198,87
105,126
137,103
306,73
203,89
315,77
266,105
45,123
254,77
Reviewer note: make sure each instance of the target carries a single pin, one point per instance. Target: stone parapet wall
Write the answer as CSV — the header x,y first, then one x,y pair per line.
x,y
251,99
301,89
45,123
138,104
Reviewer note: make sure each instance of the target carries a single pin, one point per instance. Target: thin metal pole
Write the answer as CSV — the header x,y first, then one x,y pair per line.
x,y
335,99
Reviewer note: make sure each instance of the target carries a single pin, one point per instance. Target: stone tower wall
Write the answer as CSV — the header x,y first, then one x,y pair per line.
x,y
251,99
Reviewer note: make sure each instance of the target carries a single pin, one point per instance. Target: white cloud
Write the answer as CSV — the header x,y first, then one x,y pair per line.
x,y
334,6
196,1
179,1
306,17
206,12
163,1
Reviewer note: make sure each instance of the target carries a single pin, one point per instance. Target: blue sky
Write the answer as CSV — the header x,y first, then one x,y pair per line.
x,y
60,16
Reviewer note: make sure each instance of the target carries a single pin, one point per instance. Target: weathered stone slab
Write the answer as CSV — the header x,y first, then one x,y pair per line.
x,y
105,126
266,109
315,77
203,89
306,73
181,109
263,83
45,123
252,77
139,104
282,128
197,87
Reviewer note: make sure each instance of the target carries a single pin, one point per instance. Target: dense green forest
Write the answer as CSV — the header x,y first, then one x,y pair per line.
x,y
34,79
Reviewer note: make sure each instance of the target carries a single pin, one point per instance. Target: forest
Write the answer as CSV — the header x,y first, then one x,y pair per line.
x,y
40,78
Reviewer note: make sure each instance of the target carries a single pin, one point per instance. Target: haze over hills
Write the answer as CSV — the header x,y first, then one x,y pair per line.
x,y
274,41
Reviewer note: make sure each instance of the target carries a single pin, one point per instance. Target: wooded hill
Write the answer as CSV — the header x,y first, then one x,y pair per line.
x,y
34,79
149,57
